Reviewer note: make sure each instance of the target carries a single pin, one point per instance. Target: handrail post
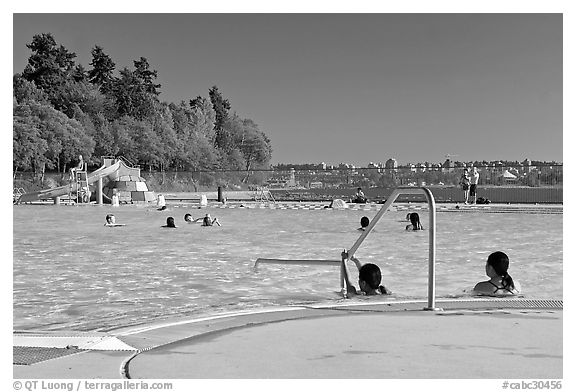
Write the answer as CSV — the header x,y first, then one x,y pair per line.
x,y
431,250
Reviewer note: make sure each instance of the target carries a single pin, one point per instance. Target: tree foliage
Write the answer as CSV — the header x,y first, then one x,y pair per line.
x,y
61,109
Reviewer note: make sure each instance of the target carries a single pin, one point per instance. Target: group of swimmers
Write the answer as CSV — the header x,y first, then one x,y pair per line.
x,y
206,221
370,276
413,217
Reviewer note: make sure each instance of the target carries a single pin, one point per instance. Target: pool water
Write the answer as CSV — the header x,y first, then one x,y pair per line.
x,y
72,273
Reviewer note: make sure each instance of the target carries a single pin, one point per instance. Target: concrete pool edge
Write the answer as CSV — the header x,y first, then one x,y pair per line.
x,y
124,345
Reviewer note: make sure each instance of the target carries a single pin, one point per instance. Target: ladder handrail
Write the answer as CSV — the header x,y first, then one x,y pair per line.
x,y
431,235
431,242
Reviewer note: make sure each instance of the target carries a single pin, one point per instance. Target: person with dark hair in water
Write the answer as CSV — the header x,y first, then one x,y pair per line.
x,y
170,222
500,283
369,278
414,221
364,222
111,221
208,221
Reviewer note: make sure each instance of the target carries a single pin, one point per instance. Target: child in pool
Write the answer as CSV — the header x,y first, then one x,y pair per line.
x,y
111,221
369,278
364,222
188,218
170,222
415,222
208,221
500,282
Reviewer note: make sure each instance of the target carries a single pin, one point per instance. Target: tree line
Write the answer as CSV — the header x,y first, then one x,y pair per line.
x,y
62,110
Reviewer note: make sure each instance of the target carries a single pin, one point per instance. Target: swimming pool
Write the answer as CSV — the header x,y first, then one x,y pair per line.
x,y
72,273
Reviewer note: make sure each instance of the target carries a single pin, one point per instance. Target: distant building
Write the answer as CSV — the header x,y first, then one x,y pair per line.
x,y
391,165
448,166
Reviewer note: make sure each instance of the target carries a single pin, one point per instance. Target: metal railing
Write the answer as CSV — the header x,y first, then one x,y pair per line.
x,y
431,244
510,184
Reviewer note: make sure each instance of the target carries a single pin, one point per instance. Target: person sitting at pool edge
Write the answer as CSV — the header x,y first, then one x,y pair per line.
x,y
111,221
359,197
369,278
414,222
170,222
208,221
500,283
364,222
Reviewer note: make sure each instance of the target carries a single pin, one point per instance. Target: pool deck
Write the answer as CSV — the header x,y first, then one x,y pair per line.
x,y
362,338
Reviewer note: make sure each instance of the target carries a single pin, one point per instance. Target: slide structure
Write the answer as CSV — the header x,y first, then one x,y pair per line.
x,y
51,193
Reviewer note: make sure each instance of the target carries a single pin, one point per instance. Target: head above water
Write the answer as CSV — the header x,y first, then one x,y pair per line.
x,y
364,221
170,222
499,262
110,218
369,276
497,266
188,217
415,220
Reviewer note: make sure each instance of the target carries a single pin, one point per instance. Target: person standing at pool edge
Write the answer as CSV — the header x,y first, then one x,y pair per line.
x,y
500,282
474,184
465,183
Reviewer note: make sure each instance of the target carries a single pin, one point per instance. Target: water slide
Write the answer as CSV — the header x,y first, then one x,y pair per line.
x,y
51,193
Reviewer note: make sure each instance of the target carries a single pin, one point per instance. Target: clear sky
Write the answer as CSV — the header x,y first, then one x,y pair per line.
x,y
349,87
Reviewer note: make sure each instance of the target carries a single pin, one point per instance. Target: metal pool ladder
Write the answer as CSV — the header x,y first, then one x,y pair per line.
x,y
431,242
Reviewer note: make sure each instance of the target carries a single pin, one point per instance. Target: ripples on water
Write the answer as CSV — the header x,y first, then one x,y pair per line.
x,y
71,272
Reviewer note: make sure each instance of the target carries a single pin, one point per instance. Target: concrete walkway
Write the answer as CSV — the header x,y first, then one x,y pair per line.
x,y
509,339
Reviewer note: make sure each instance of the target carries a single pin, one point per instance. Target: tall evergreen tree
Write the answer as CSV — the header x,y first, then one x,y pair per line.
x,y
146,76
221,107
102,72
49,65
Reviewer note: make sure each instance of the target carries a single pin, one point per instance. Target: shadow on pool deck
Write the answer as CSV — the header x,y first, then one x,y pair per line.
x,y
511,339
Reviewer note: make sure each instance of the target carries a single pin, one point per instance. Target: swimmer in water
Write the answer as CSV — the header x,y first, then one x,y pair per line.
x,y
188,218
208,221
500,283
369,278
170,222
364,222
111,221
414,221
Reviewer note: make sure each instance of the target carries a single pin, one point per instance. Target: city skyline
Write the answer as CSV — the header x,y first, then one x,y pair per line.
x,y
349,87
